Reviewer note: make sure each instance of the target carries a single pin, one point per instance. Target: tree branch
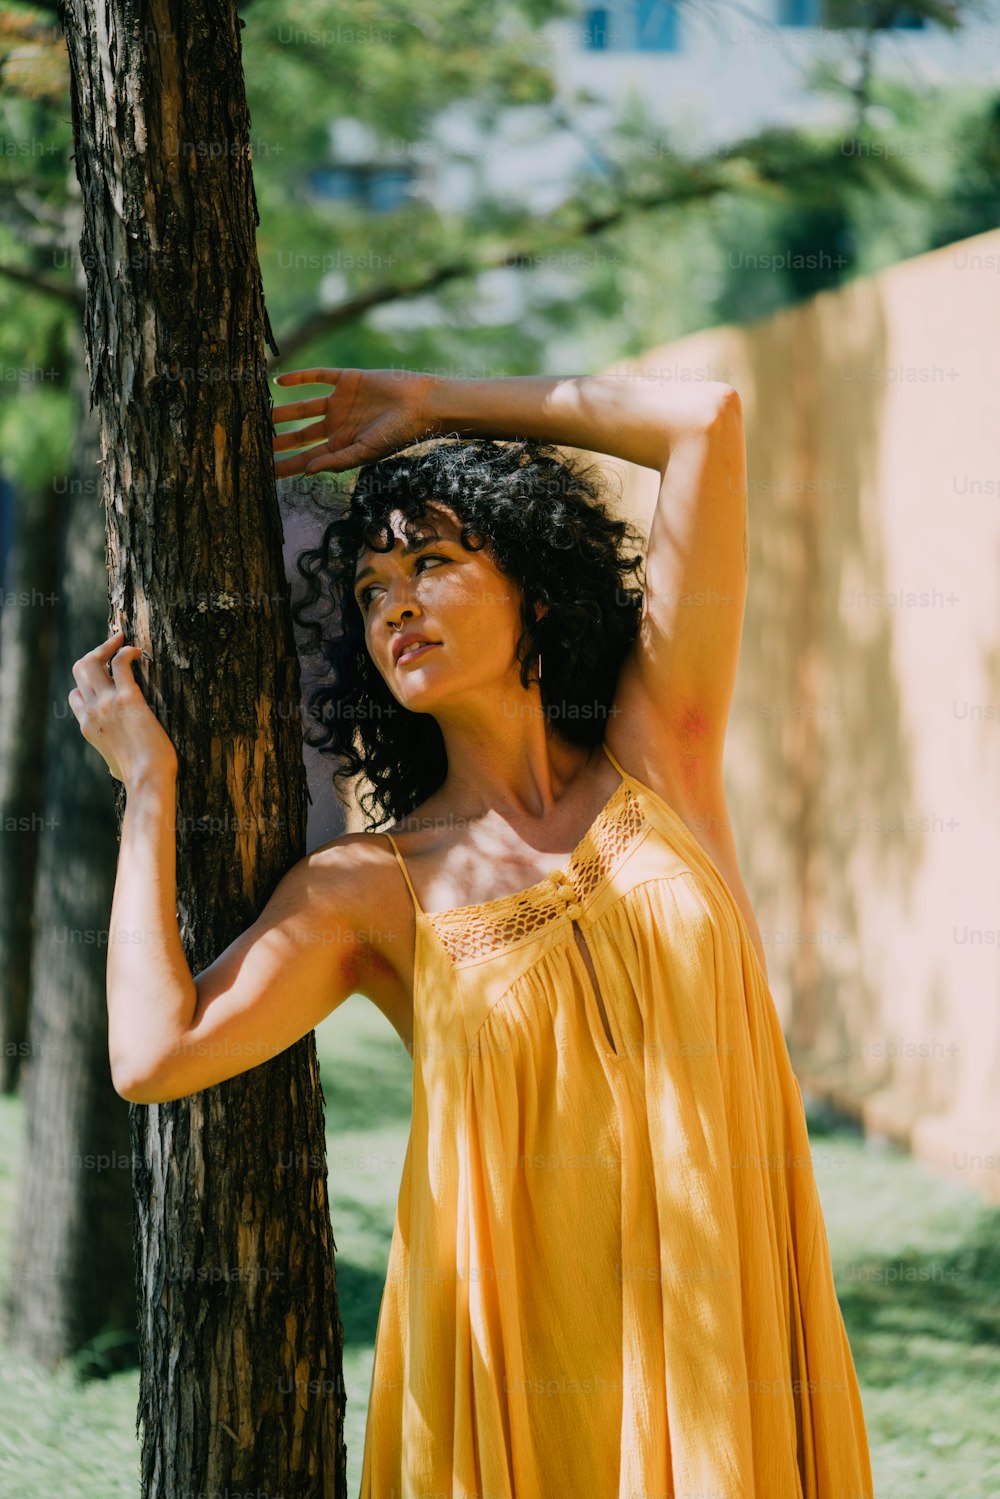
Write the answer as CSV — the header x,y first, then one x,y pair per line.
x,y
49,286
698,185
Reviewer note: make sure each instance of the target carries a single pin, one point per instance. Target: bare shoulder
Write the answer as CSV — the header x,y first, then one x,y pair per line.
x,y
358,873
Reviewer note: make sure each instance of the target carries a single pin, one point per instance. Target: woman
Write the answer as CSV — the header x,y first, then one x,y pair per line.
x,y
609,1273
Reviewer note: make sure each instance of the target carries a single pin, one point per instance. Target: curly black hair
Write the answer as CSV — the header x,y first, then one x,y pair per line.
x,y
546,525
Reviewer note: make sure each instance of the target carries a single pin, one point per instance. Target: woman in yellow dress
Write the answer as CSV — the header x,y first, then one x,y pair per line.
x,y
609,1273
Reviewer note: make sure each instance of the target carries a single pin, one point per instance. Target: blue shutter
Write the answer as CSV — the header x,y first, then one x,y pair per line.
x,y
597,27
656,26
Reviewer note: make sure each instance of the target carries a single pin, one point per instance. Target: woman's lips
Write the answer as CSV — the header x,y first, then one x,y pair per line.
x,y
418,650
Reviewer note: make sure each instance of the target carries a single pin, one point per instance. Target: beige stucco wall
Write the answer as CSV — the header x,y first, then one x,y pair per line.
x,y
863,755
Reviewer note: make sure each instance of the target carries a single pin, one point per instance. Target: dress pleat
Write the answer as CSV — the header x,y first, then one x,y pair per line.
x,y
609,1274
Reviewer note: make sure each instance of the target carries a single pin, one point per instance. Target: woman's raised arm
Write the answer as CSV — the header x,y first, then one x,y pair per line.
x,y
372,413
638,418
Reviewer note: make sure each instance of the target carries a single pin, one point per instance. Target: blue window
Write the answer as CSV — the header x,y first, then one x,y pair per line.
x,y
339,183
631,26
800,13
377,188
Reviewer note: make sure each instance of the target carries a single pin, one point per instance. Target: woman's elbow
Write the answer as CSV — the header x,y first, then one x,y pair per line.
x,y
146,1087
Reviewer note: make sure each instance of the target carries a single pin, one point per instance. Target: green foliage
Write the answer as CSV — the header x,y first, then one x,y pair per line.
x,y
879,15
651,242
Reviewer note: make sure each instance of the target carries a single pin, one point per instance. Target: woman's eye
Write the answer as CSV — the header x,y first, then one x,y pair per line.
x,y
363,596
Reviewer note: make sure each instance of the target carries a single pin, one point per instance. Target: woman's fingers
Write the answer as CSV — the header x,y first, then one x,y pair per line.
x,y
293,410
298,439
308,377
121,666
373,417
113,713
336,462
319,458
91,671
285,468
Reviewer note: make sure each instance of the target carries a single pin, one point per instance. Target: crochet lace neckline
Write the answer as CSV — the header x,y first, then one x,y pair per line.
x,y
485,927
540,886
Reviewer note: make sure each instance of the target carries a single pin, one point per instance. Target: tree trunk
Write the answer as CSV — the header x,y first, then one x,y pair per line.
x,y
72,1280
238,1308
26,637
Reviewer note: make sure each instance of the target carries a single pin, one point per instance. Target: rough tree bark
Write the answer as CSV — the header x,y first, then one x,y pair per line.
x,y
234,1263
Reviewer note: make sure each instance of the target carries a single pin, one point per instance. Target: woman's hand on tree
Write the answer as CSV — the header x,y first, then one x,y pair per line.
x,y
115,717
371,414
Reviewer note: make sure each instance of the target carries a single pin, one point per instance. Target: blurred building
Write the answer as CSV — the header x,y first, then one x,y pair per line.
x,y
707,73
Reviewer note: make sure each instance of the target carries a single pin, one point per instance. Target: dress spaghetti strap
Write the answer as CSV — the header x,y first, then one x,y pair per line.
x,y
399,860
623,773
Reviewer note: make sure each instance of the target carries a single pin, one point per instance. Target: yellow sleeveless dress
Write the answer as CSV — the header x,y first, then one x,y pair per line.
x,y
609,1276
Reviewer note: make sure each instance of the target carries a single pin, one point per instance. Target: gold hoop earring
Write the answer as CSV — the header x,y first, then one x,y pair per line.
x,y
539,666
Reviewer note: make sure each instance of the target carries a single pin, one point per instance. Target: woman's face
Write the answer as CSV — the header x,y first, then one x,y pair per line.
x,y
442,593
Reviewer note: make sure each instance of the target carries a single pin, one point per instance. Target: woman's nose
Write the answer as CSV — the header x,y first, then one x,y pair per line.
x,y
397,613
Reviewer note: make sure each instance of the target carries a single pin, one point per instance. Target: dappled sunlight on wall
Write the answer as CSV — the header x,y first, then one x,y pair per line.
x,y
863,753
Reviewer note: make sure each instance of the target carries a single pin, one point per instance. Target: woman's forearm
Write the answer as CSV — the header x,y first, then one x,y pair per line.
x,y
150,989
633,418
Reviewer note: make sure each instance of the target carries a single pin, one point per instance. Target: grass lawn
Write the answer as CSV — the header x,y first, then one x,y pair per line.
x,y
916,1256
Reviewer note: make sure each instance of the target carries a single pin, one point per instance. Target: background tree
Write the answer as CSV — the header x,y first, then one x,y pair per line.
x,y
71,1288
34,333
